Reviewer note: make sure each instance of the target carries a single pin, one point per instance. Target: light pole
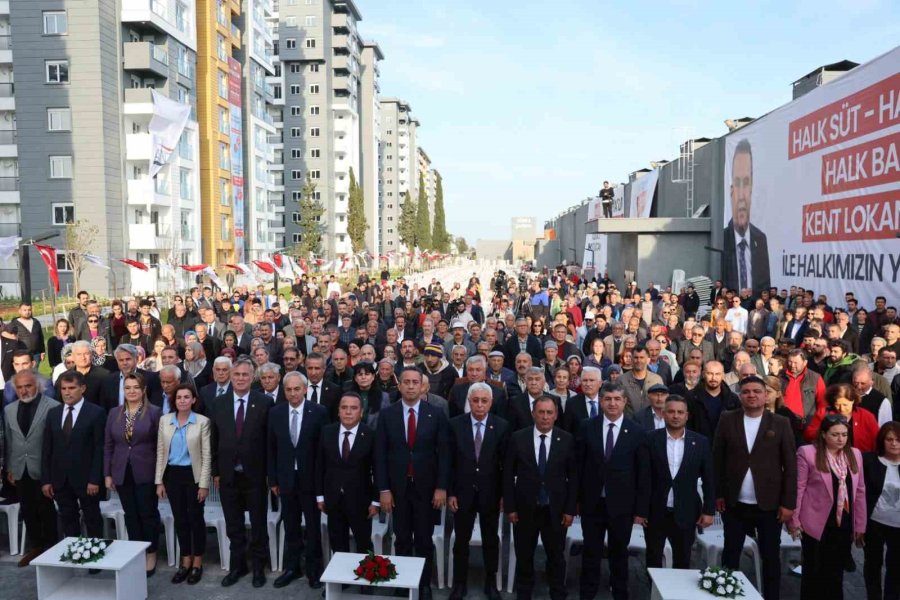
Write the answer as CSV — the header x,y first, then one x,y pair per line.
x,y
25,262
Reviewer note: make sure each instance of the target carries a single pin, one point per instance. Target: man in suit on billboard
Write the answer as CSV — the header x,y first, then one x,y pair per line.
x,y
746,249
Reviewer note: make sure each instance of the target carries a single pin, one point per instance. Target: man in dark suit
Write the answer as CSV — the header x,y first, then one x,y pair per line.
x,y
678,458
72,457
412,469
476,368
220,385
540,489
236,324
320,390
522,341
756,480
477,447
613,491
586,404
294,430
746,260
521,408
269,382
239,436
345,477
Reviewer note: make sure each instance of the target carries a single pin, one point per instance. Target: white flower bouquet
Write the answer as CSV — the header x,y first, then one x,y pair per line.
x,y
85,550
720,582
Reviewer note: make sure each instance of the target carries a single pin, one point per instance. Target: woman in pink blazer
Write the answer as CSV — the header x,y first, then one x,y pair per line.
x,y
831,508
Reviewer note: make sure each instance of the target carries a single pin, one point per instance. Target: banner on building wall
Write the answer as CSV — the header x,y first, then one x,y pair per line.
x,y
237,156
595,247
641,199
618,207
595,210
812,190
166,126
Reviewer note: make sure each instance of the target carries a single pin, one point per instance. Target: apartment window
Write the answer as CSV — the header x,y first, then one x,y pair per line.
x,y
315,174
57,71
226,229
62,261
296,111
296,132
313,111
59,119
317,196
290,21
290,43
341,238
224,192
224,118
314,68
181,16
295,217
296,196
315,153
310,43
296,175
63,213
314,88
223,85
221,47
296,68
224,156
184,183
296,238
295,89
310,21
313,132
60,167
296,153
56,22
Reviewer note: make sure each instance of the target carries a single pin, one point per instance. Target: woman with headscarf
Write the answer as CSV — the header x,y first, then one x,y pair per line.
x,y
100,355
196,364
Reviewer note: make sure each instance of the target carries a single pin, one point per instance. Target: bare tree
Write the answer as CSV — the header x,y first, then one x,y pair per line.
x,y
80,237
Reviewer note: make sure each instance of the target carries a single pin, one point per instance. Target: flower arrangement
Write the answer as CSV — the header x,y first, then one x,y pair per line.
x,y
85,550
375,569
720,582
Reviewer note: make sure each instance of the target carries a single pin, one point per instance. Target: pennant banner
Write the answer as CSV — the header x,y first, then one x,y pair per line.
x,y
265,266
195,268
95,260
135,264
166,126
8,245
49,255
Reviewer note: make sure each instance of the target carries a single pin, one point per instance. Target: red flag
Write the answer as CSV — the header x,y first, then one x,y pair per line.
x,y
194,268
303,265
238,268
319,262
278,260
49,256
135,264
264,266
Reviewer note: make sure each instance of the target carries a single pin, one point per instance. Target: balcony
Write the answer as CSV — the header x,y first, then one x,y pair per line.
x,y
5,49
147,236
4,7
142,192
138,146
7,96
146,57
9,190
139,101
162,15
340,40
8,148
342,82
235,36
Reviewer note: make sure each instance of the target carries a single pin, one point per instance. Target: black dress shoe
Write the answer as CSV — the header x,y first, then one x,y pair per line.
x,y
316,584
491,590
233,577
285,578
195,575
425,592
259,578
458,592
181,574
151,572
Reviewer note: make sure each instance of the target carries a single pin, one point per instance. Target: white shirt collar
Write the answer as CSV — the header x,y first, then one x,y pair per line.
x,y
352,431
617,422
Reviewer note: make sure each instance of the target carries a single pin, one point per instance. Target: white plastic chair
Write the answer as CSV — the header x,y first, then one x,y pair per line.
x,y
712,542
511,567
12,523
111,510
638,544
379,532
437,539
213,516
168,522
476,541
574,537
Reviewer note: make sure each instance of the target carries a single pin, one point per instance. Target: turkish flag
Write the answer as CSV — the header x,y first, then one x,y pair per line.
x,y
49,256
194,268
236,268
264,266
134,263
303,265
278,260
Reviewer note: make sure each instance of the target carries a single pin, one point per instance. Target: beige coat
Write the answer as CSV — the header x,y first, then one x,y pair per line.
x,y
199,447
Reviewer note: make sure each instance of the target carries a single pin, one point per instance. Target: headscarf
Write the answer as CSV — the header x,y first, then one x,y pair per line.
x,y
97,359
194,367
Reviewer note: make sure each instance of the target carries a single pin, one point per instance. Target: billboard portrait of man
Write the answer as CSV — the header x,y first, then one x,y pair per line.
x,y
746,250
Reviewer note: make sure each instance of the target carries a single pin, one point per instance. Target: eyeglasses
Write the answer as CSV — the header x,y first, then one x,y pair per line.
x,y
835,419
93,320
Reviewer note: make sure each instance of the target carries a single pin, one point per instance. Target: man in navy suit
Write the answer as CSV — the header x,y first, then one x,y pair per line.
x,y
412,469
522,341
678,458
72,462
478,447
614,489
746,260
293,437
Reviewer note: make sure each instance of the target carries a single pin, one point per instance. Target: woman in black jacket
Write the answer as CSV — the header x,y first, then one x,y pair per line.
x,y
882,474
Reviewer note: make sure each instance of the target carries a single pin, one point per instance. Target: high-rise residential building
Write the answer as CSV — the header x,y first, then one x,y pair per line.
x,y
263,206
10,217
319,59
399,168
83,80
369,176
428,181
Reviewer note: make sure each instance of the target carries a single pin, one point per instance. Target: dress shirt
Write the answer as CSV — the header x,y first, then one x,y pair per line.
x,y
532,400
351,437
179,454
415,408
273,394
166,409
76,409
738,238
747,494
237,404
675,454
309,390
658,422
537,444
738,317
475,428
121,388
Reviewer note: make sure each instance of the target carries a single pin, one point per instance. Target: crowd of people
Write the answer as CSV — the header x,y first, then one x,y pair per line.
x,y
544,397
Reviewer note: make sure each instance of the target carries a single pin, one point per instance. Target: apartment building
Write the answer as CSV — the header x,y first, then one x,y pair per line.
x,y
84,70
428,180
10,218
371,154
399,168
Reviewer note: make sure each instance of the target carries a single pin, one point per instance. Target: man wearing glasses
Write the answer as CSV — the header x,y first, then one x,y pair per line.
x,y
738,316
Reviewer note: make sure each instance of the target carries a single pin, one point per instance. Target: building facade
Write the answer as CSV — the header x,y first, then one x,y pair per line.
x,y
371,152
398,168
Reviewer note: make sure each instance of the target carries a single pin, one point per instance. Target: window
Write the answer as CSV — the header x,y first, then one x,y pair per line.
x,y
314,88
184,183
290,43
341,238
224,192
59,119
310,43
317,196
221,47
314,68
60,167
57,71
296,111
296,238
223,85
290,21
315,153
224,156
313,132
63,213
313,111
296,68
224,121
55,22
295,217
296,132
186,232
226,229
62,261
296,153
296,175
296,196
295,88
315,174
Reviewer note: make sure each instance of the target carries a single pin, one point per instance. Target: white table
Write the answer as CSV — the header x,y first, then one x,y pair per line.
x,y
57,580
681,584
339,573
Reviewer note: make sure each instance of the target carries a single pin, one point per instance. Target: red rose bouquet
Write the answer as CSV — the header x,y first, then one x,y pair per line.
x,y
375,569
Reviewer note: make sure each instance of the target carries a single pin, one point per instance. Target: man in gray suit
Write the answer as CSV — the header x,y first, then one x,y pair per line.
x,y
24,434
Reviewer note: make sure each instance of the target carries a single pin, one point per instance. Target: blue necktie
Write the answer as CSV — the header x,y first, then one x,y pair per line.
x,y
742,265
543,496
593,408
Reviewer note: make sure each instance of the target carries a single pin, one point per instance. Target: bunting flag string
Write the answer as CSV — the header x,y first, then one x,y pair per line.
x,y
134,263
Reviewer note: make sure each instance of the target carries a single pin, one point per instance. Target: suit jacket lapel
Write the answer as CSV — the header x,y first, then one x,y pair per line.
x,y
764,423
663,454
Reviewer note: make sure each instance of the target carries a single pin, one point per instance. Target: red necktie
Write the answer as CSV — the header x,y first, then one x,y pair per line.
x,y
410,438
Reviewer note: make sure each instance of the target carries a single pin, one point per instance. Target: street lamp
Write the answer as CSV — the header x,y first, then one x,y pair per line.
x,y
25,262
